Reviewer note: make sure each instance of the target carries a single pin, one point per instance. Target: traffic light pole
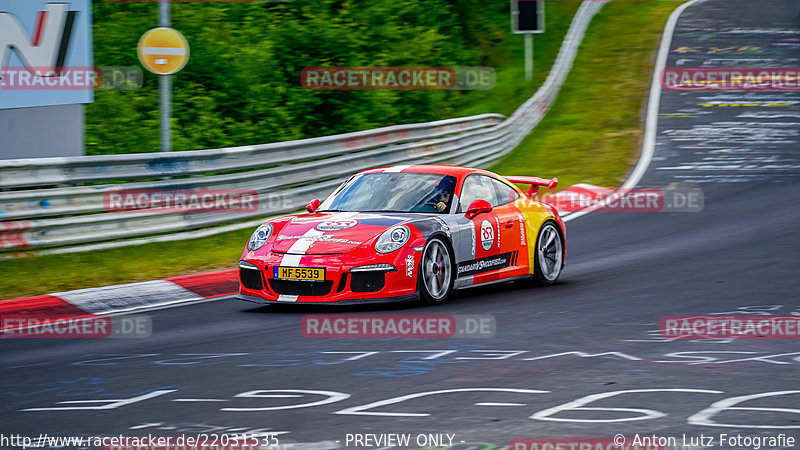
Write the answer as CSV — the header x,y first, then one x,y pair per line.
x,y
528,57
165,87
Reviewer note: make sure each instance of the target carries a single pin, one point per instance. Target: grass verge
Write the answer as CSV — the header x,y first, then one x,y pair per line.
x,y
590,135
593,132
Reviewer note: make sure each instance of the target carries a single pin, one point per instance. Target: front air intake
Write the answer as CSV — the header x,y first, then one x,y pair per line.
x,y
292,287
368,281
251,279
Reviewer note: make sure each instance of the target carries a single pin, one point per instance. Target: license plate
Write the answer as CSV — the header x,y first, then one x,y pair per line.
x,y
299,273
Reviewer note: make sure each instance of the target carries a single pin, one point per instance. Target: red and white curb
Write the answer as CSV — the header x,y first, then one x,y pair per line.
x,y
126,298
574,198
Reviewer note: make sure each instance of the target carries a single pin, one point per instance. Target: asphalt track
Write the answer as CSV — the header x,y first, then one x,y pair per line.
x,y
590,334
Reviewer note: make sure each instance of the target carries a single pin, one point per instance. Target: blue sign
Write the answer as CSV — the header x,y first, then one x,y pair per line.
x,y
45,53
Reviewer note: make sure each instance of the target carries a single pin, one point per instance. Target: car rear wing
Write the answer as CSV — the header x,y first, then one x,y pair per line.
x,y
535,182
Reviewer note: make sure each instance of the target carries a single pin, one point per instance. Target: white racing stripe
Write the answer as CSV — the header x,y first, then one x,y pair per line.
x,y
300,247
397,168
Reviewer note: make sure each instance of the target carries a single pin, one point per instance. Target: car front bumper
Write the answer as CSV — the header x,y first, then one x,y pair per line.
x,y
346,281
371,301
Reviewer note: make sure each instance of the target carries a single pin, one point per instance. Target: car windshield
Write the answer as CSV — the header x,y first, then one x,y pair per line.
x,y
394,192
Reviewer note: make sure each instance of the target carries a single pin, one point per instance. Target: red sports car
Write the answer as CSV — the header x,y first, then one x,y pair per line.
x,y
406,233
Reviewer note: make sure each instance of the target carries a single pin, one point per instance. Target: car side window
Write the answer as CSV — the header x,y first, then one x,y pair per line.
x,y
477,187
505,193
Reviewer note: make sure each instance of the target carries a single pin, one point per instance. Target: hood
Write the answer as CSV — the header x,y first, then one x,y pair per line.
x,y
334,232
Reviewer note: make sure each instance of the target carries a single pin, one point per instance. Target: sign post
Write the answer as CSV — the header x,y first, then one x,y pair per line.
x,y
527,17
165,87
528,57
164,51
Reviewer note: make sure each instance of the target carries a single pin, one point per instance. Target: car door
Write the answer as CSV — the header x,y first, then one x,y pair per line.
x,y
486,239
513,242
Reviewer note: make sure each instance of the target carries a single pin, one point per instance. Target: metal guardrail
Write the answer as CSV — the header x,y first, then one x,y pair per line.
x,y
46,204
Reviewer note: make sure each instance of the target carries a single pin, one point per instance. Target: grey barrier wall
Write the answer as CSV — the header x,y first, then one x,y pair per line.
x,y
21,133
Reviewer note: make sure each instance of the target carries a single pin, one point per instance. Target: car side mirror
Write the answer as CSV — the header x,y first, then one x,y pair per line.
x,y
312,205
478,207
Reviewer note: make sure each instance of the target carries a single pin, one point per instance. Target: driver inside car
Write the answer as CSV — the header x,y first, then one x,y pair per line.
x,y
442,194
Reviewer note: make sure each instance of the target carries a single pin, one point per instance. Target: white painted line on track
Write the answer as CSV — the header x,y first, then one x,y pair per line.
x,y
498,404
175,304
653,103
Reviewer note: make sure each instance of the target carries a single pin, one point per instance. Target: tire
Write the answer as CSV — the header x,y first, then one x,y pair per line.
x,y
436,272
549,258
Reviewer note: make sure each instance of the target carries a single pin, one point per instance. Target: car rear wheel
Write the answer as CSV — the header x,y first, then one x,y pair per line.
x,y
549,255
436,272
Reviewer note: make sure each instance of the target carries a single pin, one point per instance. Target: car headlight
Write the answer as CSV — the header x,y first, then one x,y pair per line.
x,y
260,237
392,239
